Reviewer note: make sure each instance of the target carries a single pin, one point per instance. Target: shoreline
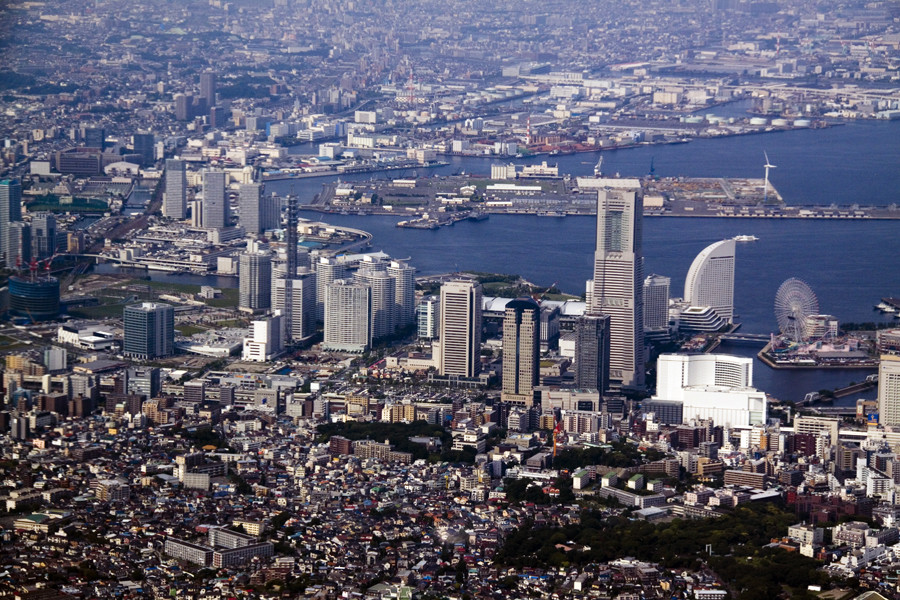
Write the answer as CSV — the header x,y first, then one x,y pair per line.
x,y
766,358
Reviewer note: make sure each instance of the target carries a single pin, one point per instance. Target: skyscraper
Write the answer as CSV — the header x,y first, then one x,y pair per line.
x,y
10,211
404,292
43,236
348,310
461,328
149,330
521,351
215,200
208,88
328,270
302,324
144,146
656,305
19,244
176,186
889,390
710,280
617,287
592,348
384,307
428,317
255,281
258,211
184,104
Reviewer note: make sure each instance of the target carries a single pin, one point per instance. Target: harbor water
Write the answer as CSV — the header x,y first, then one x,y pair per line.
x,y
850,265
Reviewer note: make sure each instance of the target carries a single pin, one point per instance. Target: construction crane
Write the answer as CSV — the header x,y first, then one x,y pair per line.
x,y
559,435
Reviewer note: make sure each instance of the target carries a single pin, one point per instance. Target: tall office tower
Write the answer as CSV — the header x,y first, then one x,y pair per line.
x,y
348,310
10,212
19,245
184,104
174,205
43,236
404,292
216,117
94,137
384,306
656,304
617,288
521,351
428,317
149,330
710,280
208,88
215,200
144,146
302,303
461,328
258,211
592,352
889,390
328,270
255,281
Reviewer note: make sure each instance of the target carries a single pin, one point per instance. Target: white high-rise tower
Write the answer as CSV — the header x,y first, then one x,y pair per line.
x,y
461,328
889,390
618,284
710,280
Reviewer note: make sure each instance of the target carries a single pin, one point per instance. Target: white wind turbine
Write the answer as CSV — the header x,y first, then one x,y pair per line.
x,y
768,166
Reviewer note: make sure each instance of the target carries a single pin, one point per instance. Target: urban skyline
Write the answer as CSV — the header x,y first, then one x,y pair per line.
x,y
379,300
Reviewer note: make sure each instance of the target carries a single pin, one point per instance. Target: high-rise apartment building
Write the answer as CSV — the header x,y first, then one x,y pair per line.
x,y
348,310
656,305
404,292
10,212
384,307
184,107
889,390
461,328
208,88
328,270
617,287
174,204
302,323
521,351
149,330
43,236
255,281
592,347
19,243
258,211
215,200
710,280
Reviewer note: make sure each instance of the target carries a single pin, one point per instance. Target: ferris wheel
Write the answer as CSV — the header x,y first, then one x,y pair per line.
x,y
794,303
